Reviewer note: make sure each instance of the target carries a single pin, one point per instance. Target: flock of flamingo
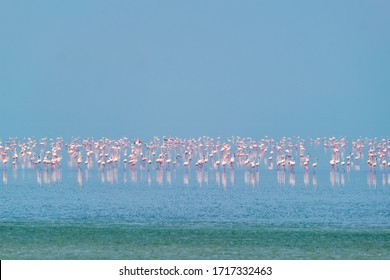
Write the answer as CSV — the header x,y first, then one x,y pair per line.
x,y
203,153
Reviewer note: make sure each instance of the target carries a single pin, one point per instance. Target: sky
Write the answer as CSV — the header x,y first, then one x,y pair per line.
x,y
194,68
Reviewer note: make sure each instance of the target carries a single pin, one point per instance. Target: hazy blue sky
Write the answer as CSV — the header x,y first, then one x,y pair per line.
x,y
193,68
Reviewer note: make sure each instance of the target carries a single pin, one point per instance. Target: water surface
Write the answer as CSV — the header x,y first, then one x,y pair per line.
x,y
194,214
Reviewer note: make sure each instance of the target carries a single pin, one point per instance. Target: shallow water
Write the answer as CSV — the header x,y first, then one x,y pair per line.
x,y
45,240
209,214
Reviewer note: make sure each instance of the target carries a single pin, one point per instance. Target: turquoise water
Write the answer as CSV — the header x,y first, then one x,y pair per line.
x,y
209,214
45,240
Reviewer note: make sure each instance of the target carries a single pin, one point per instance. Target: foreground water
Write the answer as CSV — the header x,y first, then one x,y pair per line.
x,y
208,214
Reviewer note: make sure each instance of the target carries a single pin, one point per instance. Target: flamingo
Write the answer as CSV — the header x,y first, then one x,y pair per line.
x,y
185,164
232,161
5,160
79,161
332,163
224,164
168,161
315,165
236,152
292,164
